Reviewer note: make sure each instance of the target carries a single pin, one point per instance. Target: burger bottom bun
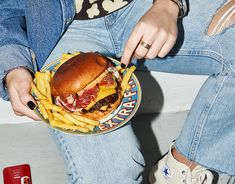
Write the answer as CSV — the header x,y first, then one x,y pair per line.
x,y
98,115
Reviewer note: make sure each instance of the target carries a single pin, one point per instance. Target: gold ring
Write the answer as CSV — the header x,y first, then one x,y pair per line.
x,y
145,45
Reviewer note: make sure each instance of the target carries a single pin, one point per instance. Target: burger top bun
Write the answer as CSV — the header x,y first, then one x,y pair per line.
x,y
76,73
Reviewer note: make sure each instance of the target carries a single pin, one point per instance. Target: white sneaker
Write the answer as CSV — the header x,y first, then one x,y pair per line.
x,y
170,171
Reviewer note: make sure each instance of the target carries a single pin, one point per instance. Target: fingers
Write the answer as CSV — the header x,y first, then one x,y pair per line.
x,y
137,45
142,48
23,103
158,34
161,44
167,46
19,86
27,104
161,47
157,45
131,45
23,91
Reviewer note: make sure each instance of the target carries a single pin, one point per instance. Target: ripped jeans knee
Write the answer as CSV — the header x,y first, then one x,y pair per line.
x,y
223,19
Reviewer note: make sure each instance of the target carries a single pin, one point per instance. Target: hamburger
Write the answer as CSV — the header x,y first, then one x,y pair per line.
x,y
87,84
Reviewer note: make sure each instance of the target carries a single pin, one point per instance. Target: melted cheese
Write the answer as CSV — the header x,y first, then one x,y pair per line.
x,y
108,87
101,95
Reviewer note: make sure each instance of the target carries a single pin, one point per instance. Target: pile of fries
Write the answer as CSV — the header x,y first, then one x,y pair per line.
x,y
56,116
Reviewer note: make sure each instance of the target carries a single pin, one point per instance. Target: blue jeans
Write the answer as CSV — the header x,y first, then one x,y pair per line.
x,y
209,131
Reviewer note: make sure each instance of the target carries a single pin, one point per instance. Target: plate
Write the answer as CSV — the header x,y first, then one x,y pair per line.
x,y
125,111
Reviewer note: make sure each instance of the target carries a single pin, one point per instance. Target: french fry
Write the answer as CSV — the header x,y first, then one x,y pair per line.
x,y
90,127
43,111
56,119
38,94
120,69
65,57
86,120
48,91
41,82
76,53
51,106
47,77
52,74
75,121
63,112
49,114
62,118
59,124
126,78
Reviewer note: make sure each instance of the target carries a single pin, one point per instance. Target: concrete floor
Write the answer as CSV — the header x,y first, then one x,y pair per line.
x,y
31,143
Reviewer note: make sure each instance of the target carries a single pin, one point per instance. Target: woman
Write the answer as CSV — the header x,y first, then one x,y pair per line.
x,y
35,33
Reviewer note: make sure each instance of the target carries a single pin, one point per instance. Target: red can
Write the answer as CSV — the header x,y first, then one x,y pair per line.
x,y
19,174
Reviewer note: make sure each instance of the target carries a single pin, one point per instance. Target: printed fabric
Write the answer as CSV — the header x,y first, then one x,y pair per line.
x,y
89,9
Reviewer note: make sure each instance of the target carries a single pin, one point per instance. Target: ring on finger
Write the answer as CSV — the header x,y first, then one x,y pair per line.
x,y
145,45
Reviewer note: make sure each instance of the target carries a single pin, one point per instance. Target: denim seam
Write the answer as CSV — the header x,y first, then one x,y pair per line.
x,y
68,157
63,16
232,69
202,120
109,24
206,53
108,28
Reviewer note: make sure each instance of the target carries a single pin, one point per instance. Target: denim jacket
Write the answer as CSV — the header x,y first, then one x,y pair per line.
x,y
30,28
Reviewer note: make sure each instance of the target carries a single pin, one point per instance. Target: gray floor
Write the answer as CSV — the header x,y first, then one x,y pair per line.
x,y
31,143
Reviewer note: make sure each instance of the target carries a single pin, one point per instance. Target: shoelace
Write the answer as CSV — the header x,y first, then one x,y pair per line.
x,y
198,176
201,176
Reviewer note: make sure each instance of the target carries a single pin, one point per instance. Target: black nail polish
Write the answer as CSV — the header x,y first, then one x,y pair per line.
x,y
123,65
31,105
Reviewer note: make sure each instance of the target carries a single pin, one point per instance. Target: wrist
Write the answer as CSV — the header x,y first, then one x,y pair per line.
x,y
16,73
182,7
169,6
176,7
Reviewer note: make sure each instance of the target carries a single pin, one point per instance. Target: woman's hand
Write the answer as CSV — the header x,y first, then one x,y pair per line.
x,y
157,29
18,84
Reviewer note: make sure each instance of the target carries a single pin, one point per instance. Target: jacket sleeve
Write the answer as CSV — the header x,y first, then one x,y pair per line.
x,y
14,48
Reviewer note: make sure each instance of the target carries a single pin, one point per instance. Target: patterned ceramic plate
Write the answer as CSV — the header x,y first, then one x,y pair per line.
x,y
125,111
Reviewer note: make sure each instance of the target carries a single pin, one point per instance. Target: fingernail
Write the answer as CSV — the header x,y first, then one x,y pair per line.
x,y
123,65
31,105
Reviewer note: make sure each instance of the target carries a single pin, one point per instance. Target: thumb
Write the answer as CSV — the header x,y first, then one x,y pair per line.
x,y
25,97
28,101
